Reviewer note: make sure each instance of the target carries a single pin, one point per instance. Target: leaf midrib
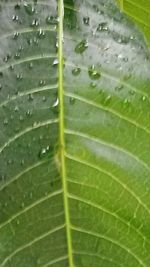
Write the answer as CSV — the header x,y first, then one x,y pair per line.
x,y
61,131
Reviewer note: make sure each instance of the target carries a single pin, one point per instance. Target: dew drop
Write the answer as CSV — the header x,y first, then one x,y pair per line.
x,y
19,77
16,35
102,27
15,18
56,103
72,100
94,74
17,6
81,47
5,122
43,152
51,20
92,85
35,23
42,82
86,20
30,97
30,65
119,88
17,55
41,34
76,71
55,62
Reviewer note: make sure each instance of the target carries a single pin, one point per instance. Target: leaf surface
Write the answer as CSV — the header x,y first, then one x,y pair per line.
x,y
74,140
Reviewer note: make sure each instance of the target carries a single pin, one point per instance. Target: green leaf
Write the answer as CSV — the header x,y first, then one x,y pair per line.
x,y
74,140
139,11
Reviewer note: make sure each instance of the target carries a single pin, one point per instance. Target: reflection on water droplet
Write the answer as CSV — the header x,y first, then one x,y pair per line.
x,y
76,71
81,47
94,73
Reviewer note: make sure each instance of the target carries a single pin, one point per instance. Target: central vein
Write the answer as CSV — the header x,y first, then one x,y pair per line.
x,y
61,129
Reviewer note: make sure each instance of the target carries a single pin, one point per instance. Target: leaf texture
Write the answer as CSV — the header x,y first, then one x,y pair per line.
x,y
74,140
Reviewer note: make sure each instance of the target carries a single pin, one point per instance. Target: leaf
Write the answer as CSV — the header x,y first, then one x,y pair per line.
x,y
74,141
140,13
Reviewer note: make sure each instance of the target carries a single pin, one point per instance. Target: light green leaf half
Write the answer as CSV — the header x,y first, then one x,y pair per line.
x,y
74,139
139,11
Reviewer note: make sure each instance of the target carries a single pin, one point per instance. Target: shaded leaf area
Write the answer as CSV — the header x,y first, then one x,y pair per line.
x,y
107,128
32,230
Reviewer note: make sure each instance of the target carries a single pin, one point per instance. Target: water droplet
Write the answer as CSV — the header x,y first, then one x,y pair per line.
x,y
72,100
55,62
86,20
35,23
17,6
30,97
16,35
81,47
43,152
15,18
7,58
17,222
56,103
94,73
22,162
11,67
92,85
17,55
16,109
119,88
19,76
41,34
52,20
102,27
143,97
41,82
22,205
29,8
29,113
44,98
30,65
10,161
5,122
76,71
